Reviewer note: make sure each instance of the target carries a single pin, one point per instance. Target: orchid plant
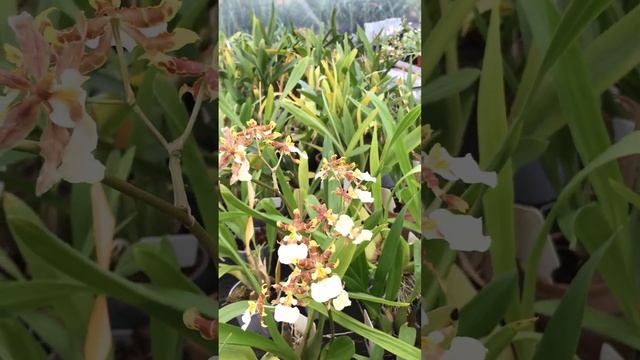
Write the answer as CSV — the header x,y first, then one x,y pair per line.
x,y
52,89
321,254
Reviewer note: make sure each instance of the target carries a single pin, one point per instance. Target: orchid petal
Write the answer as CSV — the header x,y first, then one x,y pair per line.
x,y
463,232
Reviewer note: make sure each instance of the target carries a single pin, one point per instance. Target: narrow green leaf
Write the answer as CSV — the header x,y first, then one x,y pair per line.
x,y
490,305
445,30
448,85
388,275
386,341
560,338
599,322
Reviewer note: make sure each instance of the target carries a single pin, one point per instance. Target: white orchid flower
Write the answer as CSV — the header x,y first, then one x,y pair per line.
x,y
363,235
326,289
461,168
67,99
248,314
78,163
465,348
286,313
243,173
344,225
364,176
462,232
364,196
290,253
341,301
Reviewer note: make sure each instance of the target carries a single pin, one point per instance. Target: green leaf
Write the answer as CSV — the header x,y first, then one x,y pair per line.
x,y
17,343
448,85
561,335
386,341
166,305
500,339
579,15
492,129
386,281
340,348
231,311
8,8
445,30
377,300
233,335
628,145
160,269
490,305
407,334
296,75
9,266
599,322
311,122
28,295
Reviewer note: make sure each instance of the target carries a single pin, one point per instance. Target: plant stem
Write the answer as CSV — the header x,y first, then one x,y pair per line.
x,y
130,96
205,239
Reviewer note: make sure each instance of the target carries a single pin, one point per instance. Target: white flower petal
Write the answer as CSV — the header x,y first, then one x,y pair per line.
x,y
341,301
344,225
465,348
78,163
288,314
246,319
244,174
61,113
65,94
365,176
364,196
289,253
92,43
467,169
463,168
302,154
364,235
463,232
326,289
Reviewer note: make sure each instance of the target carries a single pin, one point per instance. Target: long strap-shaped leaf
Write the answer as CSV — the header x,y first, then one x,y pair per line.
x,y
560,339
492,128
385,341
62,257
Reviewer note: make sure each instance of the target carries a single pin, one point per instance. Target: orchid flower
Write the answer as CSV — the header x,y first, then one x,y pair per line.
x,y
462,232
144,26
58,91
452,168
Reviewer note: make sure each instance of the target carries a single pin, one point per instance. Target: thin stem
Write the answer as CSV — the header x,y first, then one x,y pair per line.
x,y
156,133
206,241
128,90
192,119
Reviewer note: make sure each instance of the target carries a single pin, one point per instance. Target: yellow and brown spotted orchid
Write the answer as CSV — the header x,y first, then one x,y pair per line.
x,y
49,79
144,26
206,75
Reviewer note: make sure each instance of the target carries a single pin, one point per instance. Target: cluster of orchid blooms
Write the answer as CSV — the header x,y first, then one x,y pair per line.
x,y
234,144
49,72
462,232
312,272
